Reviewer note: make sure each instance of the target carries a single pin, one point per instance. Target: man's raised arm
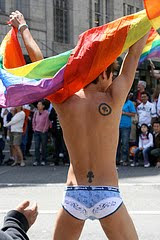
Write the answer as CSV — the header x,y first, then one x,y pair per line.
x,y
17,20
122,84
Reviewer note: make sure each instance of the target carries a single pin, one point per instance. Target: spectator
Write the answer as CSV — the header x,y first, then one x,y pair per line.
x,y
17,222
60,147
156,100
4,113
2,145
158,107
10,114
128,111
137,94
146,111
29,132
145,145
26,109
40,126
155,152
16,124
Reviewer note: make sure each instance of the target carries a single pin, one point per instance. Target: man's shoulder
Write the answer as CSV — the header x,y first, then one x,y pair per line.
x,y
149,103
140,105
130,102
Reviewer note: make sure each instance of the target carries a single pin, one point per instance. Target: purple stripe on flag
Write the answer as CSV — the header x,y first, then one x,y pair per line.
x,y
20,94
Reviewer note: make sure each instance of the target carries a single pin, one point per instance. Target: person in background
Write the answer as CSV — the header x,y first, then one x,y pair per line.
x,y
4,113
10,160
40,124
146,113
156,100
61,152
26,109
18,221
128,111
29,132
2,146
155,152
145,145
16,125
141,87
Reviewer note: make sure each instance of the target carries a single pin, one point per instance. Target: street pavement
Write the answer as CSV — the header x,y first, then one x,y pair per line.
x,y
140,189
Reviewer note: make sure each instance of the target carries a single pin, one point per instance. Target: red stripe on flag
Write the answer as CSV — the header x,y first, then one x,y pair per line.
x,y
13,56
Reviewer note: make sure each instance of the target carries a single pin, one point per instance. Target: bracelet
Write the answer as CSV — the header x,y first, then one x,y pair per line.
x,y
22,25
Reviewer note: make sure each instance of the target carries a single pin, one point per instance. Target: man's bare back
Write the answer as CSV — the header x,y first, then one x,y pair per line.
x,y
90,125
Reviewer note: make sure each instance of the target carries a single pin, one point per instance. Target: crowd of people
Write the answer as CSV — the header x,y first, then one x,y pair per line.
x,y
139,130
22,124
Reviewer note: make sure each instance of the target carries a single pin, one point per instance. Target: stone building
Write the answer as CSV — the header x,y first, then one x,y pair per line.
x,y
56,24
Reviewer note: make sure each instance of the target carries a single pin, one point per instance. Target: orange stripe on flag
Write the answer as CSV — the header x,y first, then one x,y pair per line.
x,y
152,8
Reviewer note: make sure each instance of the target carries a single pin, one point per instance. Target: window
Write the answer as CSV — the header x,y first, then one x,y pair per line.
x,y
124,9
98,13
61,21
90,14
137,9
2,5
97,5
23,6
107,11
130,9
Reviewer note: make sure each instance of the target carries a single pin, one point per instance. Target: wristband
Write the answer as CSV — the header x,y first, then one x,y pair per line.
x,y
22,25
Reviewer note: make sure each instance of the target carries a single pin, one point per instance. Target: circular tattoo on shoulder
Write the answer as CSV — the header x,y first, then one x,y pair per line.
x,y
104,109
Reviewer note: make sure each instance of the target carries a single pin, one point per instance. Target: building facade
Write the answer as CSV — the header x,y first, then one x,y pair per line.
x,y
56,24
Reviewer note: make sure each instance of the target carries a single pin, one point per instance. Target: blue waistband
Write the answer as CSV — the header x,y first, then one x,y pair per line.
x,y
92,188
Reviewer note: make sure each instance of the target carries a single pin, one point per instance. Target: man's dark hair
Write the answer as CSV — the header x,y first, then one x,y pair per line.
x,y
110,69
156,122
144,93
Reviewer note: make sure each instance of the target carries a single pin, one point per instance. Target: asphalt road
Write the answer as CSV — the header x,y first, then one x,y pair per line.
x,y
140,189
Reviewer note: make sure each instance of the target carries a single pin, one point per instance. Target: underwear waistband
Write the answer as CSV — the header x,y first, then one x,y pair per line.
x,y
92,188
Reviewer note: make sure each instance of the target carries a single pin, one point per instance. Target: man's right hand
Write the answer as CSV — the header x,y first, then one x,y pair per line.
x,y
30,213
16,18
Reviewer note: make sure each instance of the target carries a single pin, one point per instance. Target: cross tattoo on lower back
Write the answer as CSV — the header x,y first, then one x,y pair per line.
x,y
90,175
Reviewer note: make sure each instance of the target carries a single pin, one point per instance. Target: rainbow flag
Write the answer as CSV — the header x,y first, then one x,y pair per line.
x,y
59,77
20,83
152,9
152,47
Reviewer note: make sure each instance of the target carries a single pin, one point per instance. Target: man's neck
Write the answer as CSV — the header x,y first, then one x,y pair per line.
x,y
144,103
91,88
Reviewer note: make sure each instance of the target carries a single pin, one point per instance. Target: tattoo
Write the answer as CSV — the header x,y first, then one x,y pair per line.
x,y
90,175
104,109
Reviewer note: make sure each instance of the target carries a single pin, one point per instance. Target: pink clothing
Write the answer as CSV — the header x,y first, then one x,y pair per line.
x,y
41,121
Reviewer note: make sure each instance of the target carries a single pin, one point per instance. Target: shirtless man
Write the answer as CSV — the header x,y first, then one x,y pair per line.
x,y
90,123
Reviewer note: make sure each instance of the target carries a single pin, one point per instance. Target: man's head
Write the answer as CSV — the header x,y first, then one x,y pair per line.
x,y
156,127
41,105
144,97
104,80
141,86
